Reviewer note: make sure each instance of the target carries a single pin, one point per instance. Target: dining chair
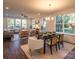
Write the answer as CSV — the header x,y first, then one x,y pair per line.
x,y
61,37
40,35
52,42
23,33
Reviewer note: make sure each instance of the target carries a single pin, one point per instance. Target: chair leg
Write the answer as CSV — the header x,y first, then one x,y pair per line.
x,y
51,49
44,50
59,45
62,44
56,47
41,50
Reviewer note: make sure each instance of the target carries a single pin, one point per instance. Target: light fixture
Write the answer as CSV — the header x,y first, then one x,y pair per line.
x,y
22,15
50,5
49,18
7,8
52,18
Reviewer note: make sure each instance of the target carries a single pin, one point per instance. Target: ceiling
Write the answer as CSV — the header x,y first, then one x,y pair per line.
x,y
32,8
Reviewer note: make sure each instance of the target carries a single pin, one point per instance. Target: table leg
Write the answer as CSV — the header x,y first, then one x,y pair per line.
x,y
44,47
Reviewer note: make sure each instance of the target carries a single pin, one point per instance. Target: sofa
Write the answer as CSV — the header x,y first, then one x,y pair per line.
x,y
7,34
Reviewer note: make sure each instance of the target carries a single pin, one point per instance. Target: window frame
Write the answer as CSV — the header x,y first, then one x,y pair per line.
x,y
59,23
14,19
10,25
23,24
63,26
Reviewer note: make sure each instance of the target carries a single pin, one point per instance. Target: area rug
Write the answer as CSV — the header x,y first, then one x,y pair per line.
x,y
70,55
60,54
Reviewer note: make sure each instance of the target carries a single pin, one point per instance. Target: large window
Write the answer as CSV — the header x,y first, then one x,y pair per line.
x,y
10,23
69,23
44,24
24,23
65,23
18,23
59,23
35,23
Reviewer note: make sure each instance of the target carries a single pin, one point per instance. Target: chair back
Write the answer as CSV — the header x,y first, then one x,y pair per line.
x,y
32,33
34,44
54,40
23,33
61,37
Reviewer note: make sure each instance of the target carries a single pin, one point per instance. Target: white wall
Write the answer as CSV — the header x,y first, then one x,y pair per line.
x,y
69,38
50,25
29,22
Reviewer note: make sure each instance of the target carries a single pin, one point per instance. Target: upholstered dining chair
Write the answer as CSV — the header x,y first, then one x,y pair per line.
x,y
40,35
32,32
52,42
34,44
61,37
23,33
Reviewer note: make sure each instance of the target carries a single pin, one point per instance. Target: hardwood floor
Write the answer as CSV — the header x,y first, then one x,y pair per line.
x,y
12,50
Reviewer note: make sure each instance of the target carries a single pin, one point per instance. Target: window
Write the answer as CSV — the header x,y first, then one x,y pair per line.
x,y
24,23
35,24
65,23
10,23
69,23
44,24
17,23
59,24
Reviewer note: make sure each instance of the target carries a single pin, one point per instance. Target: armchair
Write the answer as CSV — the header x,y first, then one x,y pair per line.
x,y
35,44
7,34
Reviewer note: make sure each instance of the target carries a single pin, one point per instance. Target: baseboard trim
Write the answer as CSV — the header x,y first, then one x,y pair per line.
x,y
69,42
